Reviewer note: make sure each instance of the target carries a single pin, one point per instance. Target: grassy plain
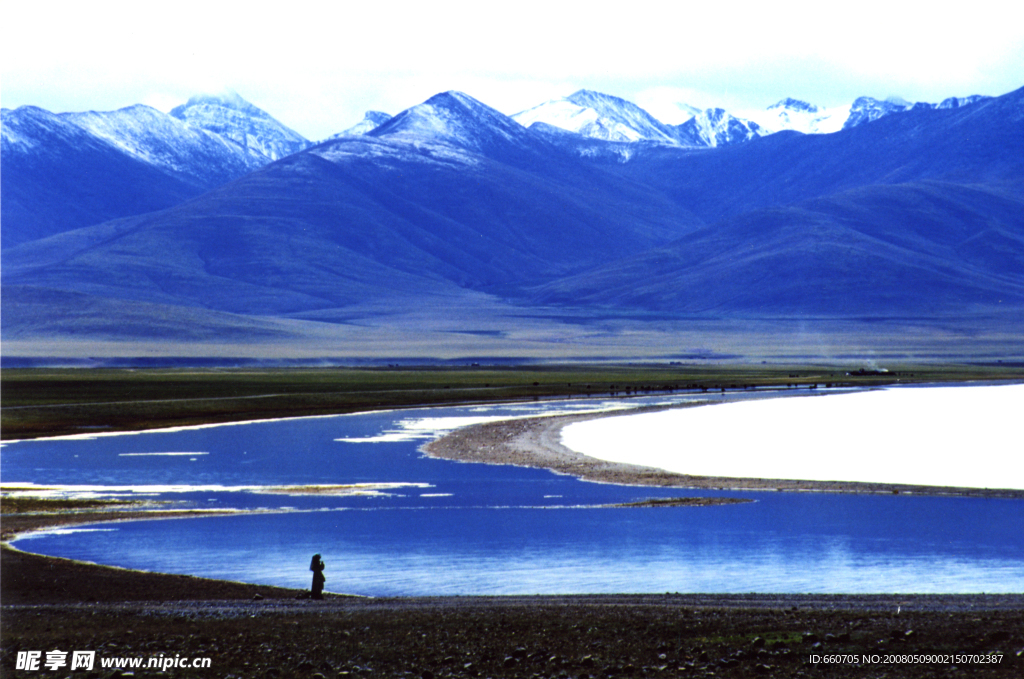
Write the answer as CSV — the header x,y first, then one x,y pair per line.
x,y
50,402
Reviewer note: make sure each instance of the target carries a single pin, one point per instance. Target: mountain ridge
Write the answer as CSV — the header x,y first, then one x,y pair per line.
x,y
460,217
121,163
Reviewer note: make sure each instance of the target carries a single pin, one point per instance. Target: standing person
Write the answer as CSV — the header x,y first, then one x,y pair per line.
x,y
317,566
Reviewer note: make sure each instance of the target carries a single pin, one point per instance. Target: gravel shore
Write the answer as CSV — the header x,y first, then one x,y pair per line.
x,y
578,637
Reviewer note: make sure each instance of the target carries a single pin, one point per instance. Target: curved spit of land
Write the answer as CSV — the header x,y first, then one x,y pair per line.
x,y
536,442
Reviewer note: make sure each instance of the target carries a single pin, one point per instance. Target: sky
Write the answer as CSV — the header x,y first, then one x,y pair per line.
x,y
318,66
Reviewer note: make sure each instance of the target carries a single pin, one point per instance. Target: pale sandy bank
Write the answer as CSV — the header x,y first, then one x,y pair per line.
x,y
932,436
631,446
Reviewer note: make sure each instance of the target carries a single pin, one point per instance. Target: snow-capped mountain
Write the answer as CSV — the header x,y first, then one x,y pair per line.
x,y
57,176
27,128
69,170
716,127
236,120
110,164
800,116
598,116
602,116
457,120
793,114
957,102
169,143
483,228
867,109
371,121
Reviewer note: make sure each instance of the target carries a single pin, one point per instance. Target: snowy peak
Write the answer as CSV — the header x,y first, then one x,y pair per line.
x,y
456,119
602,116
800,116
228,99
168,143
205,143
598,116
790,104
623,112
371,121
235,119
29,129
716,127
867,109
957,102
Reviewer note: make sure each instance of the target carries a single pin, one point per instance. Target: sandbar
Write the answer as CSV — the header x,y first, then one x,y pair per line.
x,y
538,442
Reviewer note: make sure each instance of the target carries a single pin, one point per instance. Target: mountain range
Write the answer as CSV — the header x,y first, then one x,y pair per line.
x,y
69,170
582,227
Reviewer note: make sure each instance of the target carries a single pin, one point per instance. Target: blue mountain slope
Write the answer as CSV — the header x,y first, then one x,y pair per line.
x,y
189,153
56,176
381,216
64,171
458,121
31,313
915,215
981,142
891,251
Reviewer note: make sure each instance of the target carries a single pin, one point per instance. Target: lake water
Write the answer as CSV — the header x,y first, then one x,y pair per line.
x,y
418,526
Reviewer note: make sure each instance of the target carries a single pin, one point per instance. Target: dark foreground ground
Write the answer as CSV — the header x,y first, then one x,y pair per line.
x,y
593,636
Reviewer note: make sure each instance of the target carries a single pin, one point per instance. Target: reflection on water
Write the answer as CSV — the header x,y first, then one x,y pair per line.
x,y
449,528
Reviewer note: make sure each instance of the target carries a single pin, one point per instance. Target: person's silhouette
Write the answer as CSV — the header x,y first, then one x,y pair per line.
x,y
317,566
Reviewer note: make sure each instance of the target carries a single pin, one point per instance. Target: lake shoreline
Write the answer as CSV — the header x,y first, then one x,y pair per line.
x,y
536,442
255,630
252,630
260,631
29,579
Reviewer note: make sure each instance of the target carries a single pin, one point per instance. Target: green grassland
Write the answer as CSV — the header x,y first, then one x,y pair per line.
x,y
48,402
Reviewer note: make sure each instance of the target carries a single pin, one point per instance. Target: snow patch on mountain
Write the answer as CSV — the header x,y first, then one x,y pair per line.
x,y
167,142
458,120
957,102
26,128
624,112
371,121
867,109
393,154
235,119
598,116
581,120
206,142
605,117
800,116
715,127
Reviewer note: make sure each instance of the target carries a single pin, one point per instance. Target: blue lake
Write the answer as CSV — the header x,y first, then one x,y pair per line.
x,y
425,526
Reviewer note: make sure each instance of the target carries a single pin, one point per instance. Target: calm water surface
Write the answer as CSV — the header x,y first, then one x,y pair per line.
x,y
427,526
